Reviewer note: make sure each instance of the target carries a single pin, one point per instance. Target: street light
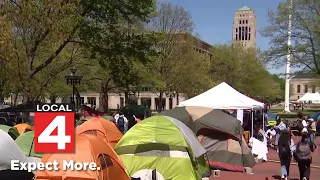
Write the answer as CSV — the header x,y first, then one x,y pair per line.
x,y
73,79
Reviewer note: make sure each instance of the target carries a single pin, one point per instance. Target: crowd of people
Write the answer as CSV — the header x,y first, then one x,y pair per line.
x,y
280,138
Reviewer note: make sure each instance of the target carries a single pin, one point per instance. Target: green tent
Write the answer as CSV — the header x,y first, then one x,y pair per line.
x,y
26,143
81,121
165,145
110,118
12,131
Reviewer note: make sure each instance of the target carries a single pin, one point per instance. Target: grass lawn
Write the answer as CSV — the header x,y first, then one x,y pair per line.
x,y
305,112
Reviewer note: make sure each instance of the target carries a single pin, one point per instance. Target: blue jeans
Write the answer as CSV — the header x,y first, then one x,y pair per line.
x,y
312,138
285,166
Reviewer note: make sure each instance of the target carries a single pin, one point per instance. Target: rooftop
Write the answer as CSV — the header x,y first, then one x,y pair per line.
x,y
244,8
305,75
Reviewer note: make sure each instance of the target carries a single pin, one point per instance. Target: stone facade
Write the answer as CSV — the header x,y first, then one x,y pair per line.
x,y
244,27
116,100
302,84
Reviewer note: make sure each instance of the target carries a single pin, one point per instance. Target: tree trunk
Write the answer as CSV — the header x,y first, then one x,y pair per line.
x,y
1,96
15,99
53,98
1,92
177,98
160,102
104,101
126,97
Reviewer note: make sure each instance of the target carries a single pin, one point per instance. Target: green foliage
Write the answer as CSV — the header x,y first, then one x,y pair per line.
x,y
120,45
241,69
168,22
45,32
305,34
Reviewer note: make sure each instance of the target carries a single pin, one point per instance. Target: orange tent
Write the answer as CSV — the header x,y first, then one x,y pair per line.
x,y
24,127
87,149
102,128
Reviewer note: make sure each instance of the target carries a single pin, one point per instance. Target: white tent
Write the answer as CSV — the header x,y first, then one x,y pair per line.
x,y
222,96
10,151
313,97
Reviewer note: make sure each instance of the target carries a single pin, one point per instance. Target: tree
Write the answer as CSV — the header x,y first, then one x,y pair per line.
x,y
45,29
126,44
241,69
5,55
305,34
169,21
191,68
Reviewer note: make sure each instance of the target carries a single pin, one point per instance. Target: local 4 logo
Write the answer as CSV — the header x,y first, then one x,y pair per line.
x,y
54,128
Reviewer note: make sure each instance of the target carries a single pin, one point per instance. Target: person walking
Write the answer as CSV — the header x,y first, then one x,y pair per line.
x,y
303,156
280,126
313,131
286,147
122,123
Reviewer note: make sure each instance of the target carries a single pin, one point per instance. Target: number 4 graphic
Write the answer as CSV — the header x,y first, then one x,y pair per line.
x,y
61,139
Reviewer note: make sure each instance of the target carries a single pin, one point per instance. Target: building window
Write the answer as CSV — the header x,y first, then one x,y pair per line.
x,y
240,22
249,33
79,100
236,29
146,102
242,33
147,88
158,104
170,103
246,21
305,88
313,89
121,101
298,89
92,100
246,33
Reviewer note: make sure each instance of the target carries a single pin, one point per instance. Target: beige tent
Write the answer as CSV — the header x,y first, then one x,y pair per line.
x,y
219,133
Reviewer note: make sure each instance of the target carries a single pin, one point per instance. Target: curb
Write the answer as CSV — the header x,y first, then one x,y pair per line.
x,y
293,163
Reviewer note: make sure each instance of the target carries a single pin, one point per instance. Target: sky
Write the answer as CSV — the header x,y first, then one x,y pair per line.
x,y
213,19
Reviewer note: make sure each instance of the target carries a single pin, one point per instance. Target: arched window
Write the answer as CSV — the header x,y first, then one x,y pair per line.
x,y
105,161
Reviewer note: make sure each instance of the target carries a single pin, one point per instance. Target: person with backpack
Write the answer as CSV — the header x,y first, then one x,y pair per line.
x,y
303,155
286,147
122,123
313,130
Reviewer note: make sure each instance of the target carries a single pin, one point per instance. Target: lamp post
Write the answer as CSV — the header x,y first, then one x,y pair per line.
x,y
73,79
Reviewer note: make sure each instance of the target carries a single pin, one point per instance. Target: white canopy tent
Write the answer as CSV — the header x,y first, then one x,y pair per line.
x,y
222,96
313,97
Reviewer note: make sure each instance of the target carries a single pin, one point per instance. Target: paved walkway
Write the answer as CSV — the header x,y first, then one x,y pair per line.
x,y
271,170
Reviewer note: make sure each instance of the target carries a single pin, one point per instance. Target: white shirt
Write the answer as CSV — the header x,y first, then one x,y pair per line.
x,y
304,123
271,131
124,118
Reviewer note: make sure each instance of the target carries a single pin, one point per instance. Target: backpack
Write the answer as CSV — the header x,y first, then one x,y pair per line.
x,y
303,151
284,150
120,122
300,125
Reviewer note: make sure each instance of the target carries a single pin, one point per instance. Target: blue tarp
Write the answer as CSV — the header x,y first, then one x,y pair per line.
x,y
315,116
272,116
